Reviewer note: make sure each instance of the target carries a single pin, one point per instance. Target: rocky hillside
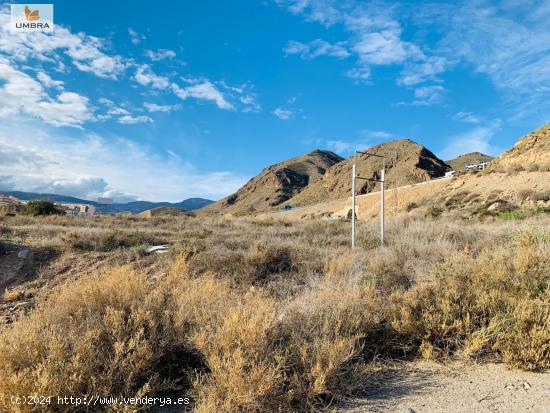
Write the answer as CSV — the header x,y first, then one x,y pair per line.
x,y
277,183
459,163
407,162
531,152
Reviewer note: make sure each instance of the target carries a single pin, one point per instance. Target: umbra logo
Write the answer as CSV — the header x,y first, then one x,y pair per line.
x,y
31,17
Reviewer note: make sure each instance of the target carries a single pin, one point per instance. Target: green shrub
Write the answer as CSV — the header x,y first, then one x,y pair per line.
x,y
42,207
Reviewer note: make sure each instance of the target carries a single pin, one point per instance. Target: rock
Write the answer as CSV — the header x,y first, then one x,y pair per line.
x,y
501,206
409,410
24,253
159,249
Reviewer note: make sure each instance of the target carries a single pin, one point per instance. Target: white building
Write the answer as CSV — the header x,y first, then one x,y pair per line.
x,y
78,209
477,166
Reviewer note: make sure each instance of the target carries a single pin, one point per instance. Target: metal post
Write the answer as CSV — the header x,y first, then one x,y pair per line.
x,y
382,179
353,203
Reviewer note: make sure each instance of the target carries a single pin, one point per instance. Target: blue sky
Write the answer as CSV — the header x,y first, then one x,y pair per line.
x,y
168,100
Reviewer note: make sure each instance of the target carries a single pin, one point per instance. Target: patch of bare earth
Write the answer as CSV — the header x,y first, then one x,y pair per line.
x,y
427,387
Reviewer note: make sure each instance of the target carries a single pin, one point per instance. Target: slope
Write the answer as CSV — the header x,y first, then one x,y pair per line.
x,y
407,162
277,183
459,163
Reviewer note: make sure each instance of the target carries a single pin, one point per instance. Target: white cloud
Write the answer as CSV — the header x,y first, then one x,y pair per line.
x,y
153,107
366,139
503,42
106,102
22,94
283,114
428,95
118,111
135,37
377,134
359,74
160,54
478,139
467,117
85,52
87,165
341,147
131,120
418,72
146,77
375,39
249,104
202,90
316,48
48,81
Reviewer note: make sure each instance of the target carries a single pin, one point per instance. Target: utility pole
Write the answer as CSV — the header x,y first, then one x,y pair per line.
x,y
382,180
353,202
354,177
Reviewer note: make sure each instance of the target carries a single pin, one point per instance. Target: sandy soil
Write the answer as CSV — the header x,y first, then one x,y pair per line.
x,y
430,388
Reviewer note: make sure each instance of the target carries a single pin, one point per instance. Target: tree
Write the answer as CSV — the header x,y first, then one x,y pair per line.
x,y
40,207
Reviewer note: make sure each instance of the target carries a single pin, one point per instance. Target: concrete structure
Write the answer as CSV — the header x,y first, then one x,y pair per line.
x,y
477,166
77,209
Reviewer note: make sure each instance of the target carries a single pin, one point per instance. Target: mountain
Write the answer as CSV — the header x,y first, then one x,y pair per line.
x,y
531,151
459,163
190,204
407,162
277,183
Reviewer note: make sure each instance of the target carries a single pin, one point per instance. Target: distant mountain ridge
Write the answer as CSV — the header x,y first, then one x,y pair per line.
x,y
189,204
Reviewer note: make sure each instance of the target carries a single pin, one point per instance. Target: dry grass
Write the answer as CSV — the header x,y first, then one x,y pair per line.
x,y
259,316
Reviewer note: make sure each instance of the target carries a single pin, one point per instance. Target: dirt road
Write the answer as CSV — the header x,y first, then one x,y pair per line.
x,y
455,388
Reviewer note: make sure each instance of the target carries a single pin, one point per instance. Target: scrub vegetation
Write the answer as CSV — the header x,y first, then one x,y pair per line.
x,y
249,315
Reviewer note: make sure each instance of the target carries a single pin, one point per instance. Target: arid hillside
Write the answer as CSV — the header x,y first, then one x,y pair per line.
x,y
516,185
407,162
277,183
459,163
531,152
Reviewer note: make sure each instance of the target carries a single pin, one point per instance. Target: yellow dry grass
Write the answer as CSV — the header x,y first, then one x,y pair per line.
x,y
262,315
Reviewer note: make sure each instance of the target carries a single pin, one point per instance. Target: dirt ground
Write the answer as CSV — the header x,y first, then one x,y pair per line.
x,y
427,387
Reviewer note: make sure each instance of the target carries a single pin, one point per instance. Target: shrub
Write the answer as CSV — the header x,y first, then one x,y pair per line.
x,y
264,260
36,208
495,304
99,335
104,241
542,196
434,212
514,168
525,193
410,206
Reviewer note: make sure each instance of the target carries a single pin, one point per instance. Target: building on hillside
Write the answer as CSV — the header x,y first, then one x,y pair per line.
x,y
77,209
450,174
477,166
